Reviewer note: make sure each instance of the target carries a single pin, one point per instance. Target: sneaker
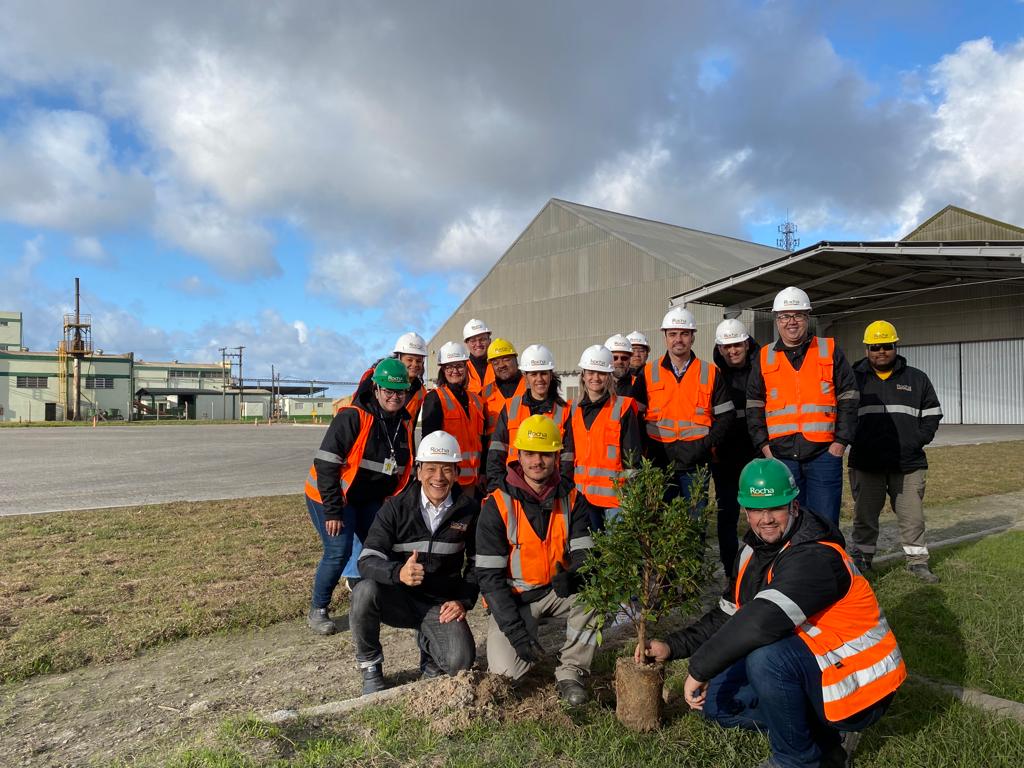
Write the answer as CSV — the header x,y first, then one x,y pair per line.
x,y
430,669
373,679
320,621
572,692
860,560
924,573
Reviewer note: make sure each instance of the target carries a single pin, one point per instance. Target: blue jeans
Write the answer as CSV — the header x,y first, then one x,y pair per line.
x,y
341,552
777,688
683,486
820,481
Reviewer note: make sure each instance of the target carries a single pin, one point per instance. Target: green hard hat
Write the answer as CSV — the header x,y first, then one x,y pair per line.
x,y
766,483
391,374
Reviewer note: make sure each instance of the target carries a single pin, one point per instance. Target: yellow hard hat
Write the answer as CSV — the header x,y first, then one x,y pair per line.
x,y
538,433
880,332
500,348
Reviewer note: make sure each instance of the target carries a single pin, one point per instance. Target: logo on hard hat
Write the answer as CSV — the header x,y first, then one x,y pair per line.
x,y
540,435
761,491
538,362
438,451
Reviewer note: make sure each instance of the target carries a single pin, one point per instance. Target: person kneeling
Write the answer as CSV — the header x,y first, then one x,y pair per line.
x,y
798,644
533,535
417,569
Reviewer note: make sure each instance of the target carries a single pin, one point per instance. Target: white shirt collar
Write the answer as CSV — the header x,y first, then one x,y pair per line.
x,y
432,515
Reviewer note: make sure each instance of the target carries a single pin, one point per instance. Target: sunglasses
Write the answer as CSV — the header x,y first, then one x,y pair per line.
x,y
881,347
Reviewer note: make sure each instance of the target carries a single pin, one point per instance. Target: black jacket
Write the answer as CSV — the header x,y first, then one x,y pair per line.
x,y
630,440
368,484
897,417
447,555
689,454
492,541
497,446
795,446
737,448
810,575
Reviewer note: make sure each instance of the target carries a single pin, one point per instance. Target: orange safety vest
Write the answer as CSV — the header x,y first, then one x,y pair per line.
x,y
599,451
856,651
466,428
474,383
517,413
679,410
801,401
533,562
496,402
355,459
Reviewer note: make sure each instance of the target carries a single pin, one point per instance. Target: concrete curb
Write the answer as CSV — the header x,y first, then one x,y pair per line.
x,y
1002,707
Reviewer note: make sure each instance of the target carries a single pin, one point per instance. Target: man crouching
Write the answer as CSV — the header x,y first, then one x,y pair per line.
x,y
417,569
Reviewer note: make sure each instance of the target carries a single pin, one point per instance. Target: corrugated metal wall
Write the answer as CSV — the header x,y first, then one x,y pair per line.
x,y
942,364
957,224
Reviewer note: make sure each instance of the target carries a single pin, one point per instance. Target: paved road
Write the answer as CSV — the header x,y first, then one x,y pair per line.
x,y
972,434
50,470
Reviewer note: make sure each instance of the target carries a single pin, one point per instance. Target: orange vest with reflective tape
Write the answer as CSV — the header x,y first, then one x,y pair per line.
x,y
474,383
856,651
355,459
518,413
801,401
679,410
532,562
495,402
466,428
599,451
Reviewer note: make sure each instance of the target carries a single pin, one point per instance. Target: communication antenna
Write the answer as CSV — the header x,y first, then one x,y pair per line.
x,y
788,241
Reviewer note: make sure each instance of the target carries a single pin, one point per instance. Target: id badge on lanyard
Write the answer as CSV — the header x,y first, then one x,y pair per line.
x,y
390,465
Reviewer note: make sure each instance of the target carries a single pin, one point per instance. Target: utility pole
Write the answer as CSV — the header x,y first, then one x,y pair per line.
x,y
241,388
224,378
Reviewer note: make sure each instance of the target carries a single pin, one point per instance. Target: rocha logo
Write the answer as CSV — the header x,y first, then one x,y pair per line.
x,y
761,491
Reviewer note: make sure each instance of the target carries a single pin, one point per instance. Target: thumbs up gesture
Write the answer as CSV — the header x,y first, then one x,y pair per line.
x,y
412,572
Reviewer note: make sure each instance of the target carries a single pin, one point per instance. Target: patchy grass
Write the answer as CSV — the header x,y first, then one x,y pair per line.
x,y
169,421
101,585
966,630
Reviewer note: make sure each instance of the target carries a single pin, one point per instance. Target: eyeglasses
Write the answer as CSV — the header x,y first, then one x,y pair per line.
x,y
789,318
881,347
392,394
771,512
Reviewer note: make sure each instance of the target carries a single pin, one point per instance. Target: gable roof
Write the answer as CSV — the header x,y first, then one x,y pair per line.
x,y
953,223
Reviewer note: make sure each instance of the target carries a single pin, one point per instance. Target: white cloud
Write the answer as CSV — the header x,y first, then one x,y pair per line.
x,y
624,183
477,239
90,249
193,285
351,277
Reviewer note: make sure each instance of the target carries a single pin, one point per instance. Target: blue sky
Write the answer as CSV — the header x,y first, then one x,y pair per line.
x,y
312,179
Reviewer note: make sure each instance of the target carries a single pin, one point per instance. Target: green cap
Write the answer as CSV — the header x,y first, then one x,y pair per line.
x,y
766,483
391,374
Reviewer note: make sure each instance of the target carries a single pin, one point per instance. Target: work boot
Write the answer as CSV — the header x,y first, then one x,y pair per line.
x,y
862,561
572,692
924,573
429,667
320,621
373,679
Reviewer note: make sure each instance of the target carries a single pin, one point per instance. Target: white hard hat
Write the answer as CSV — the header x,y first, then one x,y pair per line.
x,y
474,328
731,332
452,352
596,358
791,299
410,344
678,318
536,357
439,446
638,338
619,343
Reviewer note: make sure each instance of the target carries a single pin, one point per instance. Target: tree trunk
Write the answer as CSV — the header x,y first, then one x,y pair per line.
x,y
638,700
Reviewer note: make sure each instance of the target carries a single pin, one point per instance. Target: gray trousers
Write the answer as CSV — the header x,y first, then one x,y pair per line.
x,y
576,653
905,492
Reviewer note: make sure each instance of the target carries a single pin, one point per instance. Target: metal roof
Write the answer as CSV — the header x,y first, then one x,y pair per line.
x,y
703,255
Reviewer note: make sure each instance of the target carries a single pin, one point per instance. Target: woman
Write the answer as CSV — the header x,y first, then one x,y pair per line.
x,y
452,408
604,434
365,457
541,396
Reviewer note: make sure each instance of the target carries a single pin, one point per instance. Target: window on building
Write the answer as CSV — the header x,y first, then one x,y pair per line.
x,y
99,382
31,382
3,322
182,374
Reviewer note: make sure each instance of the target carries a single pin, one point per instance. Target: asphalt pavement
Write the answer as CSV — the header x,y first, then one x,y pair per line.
x,y
66,468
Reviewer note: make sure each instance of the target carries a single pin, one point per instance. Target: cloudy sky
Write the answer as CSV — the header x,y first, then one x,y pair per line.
x,y
310,179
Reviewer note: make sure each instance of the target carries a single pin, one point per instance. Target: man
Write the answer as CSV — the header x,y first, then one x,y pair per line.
x,y
365,457
508,382
532,537
734,351
622,356
898,415
798,645
641,350
802,404
541,396
411,350
451,408
688,408
418,571
477,336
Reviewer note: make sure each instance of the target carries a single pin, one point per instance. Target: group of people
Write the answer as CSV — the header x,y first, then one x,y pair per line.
x,y
508,482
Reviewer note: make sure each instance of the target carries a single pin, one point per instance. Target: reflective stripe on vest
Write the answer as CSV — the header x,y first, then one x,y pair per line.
x,y
474,383
355,461
532,562
496,402
517,413
466,428
598,461
679,410
801,401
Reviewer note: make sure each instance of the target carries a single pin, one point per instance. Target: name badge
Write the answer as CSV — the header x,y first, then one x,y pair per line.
x,y
390,465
